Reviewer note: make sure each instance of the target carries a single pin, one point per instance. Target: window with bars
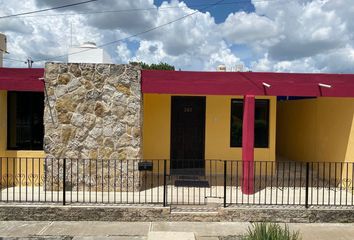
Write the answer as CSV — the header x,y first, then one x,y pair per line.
x,y
261,123
25,128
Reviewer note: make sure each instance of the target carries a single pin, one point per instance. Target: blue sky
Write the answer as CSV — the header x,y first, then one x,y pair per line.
x,y
219,12
261,35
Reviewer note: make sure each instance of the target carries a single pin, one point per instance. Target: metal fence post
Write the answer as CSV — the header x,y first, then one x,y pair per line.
x,y
307,185
64,180
164,184
225,168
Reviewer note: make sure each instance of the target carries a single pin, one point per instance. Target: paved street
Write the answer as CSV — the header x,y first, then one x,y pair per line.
x,y
157,230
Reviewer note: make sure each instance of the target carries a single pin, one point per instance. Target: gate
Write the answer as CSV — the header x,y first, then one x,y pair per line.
x,y
196,186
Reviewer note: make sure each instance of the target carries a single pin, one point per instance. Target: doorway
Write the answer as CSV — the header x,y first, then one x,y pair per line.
x,y
187,135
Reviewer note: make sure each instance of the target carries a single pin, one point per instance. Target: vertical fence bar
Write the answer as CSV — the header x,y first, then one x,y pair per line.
x,y
237,183
27,179
225,168
318,181
231,181
158,181
347,185
300,192
312,185
58,181
133,167
271,181
39,179
289,175
307,185
109,180
90,179
102,180
216,177
64,181
260,184
127,181
329,185
71,180
1,179
352,184
294,190
164,184
13,180
77,180
7,180
151,185
277,182
96,170
266,183
341,184
115,179
323,182
121,181
254,166
83,180
33,179
283,182
335,183
45,169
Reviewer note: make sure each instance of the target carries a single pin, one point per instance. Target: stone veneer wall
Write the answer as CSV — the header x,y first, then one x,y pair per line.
x,y
122,213
94,112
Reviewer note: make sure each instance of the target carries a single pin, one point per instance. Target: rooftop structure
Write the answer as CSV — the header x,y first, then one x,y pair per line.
x,y
88,52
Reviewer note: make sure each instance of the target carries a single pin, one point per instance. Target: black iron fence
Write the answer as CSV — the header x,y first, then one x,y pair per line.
x,y
70,181
291,183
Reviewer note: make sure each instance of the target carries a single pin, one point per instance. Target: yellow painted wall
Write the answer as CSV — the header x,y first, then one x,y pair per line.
x,y
10,160
217,139
157,120
318,130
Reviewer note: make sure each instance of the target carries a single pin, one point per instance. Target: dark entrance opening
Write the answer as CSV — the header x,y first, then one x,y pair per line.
x,y
187,135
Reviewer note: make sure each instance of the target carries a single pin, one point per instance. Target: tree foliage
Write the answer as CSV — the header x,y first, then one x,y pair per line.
x,y
154,66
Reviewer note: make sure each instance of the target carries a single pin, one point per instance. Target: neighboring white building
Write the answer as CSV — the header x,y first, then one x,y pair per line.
x,y
221,68
88,53
2,48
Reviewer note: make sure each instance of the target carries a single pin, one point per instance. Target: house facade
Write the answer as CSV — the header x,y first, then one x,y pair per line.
x,y
105,111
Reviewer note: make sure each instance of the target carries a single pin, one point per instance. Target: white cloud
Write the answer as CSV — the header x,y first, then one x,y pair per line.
x,y
15,25
298,35
123,52
128,21
335,61
307,28
245,28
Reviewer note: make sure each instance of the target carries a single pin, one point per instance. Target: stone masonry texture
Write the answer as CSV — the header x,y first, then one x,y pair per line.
x,y
126,213
92,112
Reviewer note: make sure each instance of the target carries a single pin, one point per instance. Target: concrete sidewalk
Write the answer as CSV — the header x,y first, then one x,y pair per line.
x,y
141,230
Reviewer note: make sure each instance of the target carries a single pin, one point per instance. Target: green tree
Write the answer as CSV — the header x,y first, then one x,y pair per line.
x,y
154,66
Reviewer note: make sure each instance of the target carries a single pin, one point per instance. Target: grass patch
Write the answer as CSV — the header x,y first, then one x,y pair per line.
x,y
270,231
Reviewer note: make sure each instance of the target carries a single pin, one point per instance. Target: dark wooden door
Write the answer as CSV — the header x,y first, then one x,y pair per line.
x,y
187,135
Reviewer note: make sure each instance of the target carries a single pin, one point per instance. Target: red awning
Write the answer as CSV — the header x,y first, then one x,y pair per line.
x,y
248,83
21,79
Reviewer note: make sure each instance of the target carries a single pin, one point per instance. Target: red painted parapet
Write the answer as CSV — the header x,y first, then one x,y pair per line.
x,y
21,79
248,83
248,145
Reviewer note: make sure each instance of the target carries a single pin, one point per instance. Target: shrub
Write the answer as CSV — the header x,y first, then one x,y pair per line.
x,y
270,231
